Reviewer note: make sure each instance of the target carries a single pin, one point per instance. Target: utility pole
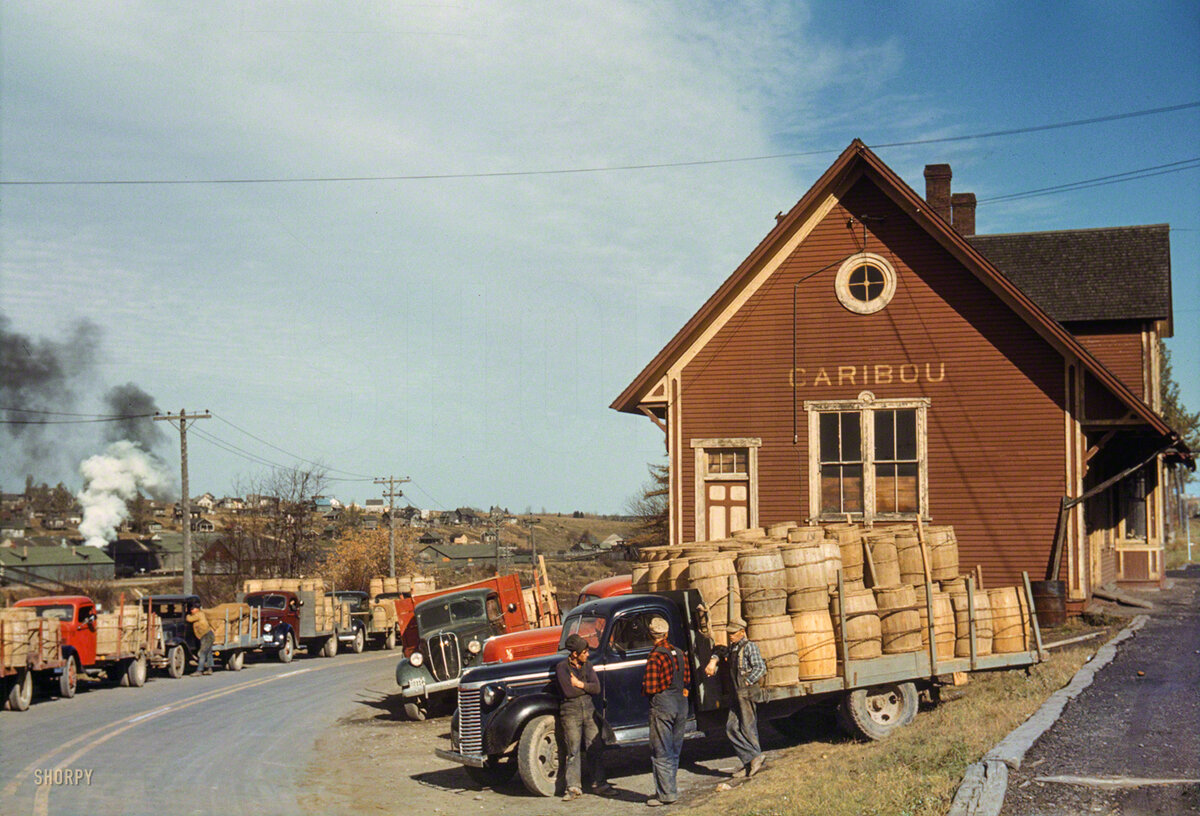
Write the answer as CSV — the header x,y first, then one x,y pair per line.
x,y
532,544
391,495
186,509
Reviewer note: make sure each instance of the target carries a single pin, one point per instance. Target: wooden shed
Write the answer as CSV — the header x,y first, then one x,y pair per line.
x,y
872,358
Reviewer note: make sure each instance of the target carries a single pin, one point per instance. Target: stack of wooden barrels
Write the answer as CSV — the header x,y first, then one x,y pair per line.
x,y
284,584
412,584
782,582
25,637
122,631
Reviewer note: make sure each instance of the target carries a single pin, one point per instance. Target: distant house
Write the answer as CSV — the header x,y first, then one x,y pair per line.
x,y
614,541
202,525
429,539
12,501
54,523
12,528
374,506
208,501
456,555
217,560
74,517
67,564
231,504
153,527
369,522
132,556
193,511
460,538
169,548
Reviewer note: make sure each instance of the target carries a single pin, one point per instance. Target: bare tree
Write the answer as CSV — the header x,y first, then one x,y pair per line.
x,y
651,509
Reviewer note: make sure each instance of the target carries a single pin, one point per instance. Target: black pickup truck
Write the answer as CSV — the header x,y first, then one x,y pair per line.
x,y
505,721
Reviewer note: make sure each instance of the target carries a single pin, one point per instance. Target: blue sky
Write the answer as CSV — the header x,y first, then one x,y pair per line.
x,y
471,332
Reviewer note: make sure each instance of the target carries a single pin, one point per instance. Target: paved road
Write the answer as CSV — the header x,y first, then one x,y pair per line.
x,y
231,743
1140,719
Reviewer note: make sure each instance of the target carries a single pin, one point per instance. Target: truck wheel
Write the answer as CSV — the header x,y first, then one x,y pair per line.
x,y
235,660
497,771
330,648
69,678
874,713
288,650
414,711
360,640
135,673
537,756
389,642
176,661
20,692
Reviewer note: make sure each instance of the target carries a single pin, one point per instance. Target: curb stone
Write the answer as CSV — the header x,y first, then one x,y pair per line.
x,y
981,792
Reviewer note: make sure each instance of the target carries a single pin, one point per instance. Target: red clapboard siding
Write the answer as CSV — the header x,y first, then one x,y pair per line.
x,y
1119,348
995,425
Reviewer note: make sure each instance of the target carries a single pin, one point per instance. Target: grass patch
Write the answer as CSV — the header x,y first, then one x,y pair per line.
x,y
1176,547
917,770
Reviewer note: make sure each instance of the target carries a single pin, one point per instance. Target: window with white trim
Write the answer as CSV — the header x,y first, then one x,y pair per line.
x,y
726,496
867,458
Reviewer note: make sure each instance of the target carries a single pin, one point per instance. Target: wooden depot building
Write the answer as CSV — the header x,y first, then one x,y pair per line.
x,y
875,359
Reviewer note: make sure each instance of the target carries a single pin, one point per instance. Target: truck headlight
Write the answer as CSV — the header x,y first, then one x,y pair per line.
x,y
492,695
416,659
474,647
266,627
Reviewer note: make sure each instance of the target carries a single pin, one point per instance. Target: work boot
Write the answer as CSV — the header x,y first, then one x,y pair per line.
x,y
755,765
572,794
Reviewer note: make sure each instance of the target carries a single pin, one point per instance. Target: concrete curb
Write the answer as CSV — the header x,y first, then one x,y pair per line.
x,y
981,792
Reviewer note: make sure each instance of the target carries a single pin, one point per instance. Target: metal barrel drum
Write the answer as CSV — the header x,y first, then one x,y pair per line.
x,y
776,639
816,647
908,554
884,558
899,621
1049,602
1011,630
862,623
943,553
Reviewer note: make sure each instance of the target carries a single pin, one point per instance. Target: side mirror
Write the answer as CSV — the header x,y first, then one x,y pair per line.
x,y
512,607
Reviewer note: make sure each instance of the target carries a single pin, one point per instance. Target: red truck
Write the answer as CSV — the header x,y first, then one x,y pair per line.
x,y
29,646
116,644
544,641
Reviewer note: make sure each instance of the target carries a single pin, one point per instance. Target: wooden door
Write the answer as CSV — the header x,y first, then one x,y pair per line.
x,y
727,507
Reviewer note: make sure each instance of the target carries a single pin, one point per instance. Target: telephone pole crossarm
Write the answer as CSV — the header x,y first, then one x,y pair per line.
x,y
391,495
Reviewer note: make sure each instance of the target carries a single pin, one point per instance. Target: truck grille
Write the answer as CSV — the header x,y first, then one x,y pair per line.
x,y
445,660
470,726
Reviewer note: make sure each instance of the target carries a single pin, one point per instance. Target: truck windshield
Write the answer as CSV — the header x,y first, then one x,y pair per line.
x,y
267,601
433,616
62,613
589,627
465,609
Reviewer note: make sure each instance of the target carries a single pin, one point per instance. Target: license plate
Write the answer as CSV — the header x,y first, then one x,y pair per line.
x,y
417,686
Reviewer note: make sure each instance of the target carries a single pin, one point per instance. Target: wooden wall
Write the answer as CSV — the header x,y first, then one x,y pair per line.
x,y
1118,345
996,439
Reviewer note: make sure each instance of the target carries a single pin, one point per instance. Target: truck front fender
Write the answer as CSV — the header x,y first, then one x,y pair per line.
x,y
506,722
406,673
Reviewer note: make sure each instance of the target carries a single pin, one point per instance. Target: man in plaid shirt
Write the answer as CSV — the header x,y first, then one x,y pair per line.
x,y
744,667
666,684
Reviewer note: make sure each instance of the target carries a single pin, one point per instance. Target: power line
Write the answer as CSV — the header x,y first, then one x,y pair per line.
x,y
598,169
1100,181
289,453
254,458
70,421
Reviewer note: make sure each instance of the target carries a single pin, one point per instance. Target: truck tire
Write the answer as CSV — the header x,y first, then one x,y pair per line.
x,y
874,713
176,661
235,661
288,650
135,673
330,647
497,771
360,640
20,692
537,756
389,642
69,679
415,711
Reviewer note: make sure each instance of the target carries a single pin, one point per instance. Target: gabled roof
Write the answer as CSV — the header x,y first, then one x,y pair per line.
x,y
53,556
855,162
1116,273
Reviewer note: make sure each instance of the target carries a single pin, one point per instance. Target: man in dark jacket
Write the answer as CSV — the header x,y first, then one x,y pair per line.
x,y
577,682
744,667
204,633
666,684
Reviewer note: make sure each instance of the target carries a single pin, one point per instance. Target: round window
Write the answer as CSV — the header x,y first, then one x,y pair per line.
x,y
865,283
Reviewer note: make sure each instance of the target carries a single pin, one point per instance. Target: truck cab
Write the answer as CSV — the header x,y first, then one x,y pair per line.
x,y
281,630
359,606
506,711
450,631
180,643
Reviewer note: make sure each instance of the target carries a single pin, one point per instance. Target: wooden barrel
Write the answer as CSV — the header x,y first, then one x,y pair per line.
x,y
849,540
779,530
804,566
749,534
943,553
676,577
709,575
899,620
645,554
944,628
884,559
815,645
640,577
776,639
805,535
1011,631
698,549
761,569
833,560
983,624
804,600
954,586
862,623
375,587
908,554
764,603
656,576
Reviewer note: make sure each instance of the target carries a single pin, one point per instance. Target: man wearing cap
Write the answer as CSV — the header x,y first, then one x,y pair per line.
x,y
204,633
744,667
577,682
666,684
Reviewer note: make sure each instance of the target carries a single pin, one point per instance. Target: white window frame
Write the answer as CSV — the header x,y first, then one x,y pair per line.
x,y
866,404
703,477
841,283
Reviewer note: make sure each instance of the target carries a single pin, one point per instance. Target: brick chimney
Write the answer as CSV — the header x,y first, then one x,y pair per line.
x,y
937,189
963,206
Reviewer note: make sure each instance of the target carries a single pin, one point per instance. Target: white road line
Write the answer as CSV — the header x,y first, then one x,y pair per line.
x,y
149,714
291,673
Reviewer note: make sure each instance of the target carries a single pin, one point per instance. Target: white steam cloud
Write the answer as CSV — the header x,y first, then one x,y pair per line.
x,y
110,480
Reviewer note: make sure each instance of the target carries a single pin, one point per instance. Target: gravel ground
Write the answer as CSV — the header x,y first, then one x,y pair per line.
x,y
1140,719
